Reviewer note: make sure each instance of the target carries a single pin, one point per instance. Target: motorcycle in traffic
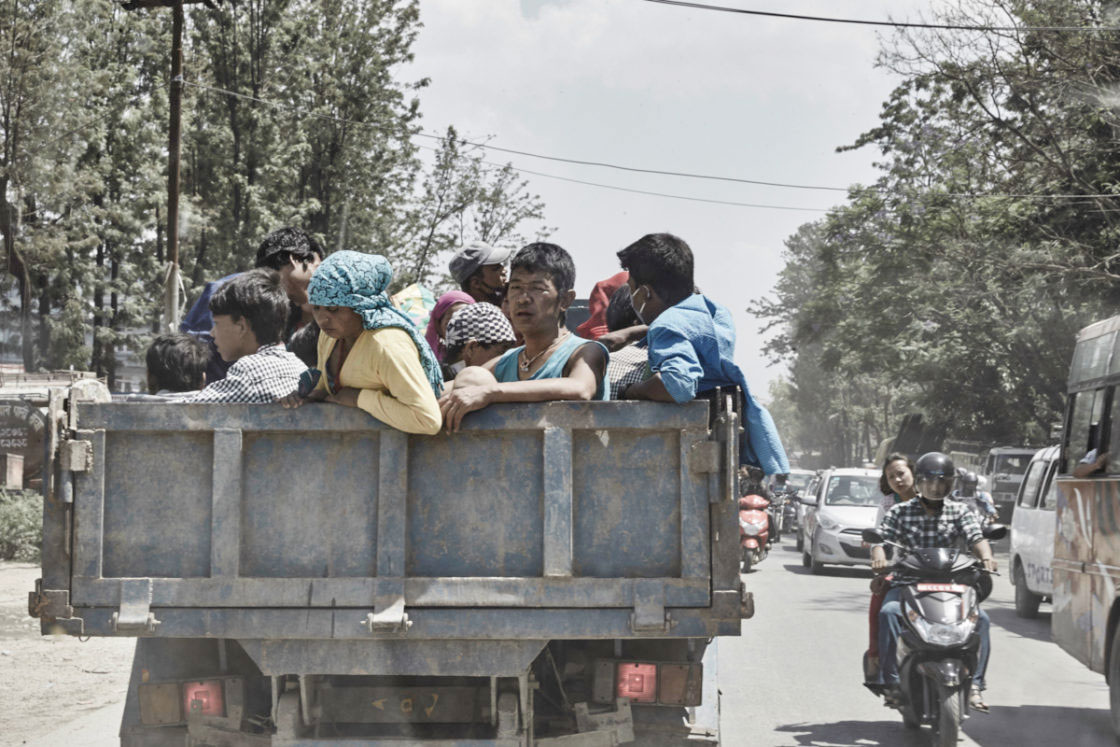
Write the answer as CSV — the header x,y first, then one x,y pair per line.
x,y
754,530
939,648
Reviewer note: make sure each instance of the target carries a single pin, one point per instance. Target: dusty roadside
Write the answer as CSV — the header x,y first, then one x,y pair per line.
x,y
47,682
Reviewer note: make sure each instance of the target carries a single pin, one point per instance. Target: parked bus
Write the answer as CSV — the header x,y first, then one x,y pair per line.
x,y
1086,562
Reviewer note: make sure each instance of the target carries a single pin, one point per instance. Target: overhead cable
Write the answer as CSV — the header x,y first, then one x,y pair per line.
x,y
486,146
887,23
558,159
616,188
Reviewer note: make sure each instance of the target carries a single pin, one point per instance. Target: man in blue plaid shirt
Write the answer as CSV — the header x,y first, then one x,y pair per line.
x,y
930,521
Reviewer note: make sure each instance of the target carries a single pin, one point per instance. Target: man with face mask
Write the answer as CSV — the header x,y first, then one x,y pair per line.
x,y
929,520
480,271
691,343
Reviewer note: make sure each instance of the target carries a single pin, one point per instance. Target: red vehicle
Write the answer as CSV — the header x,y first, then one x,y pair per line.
x,y
754,529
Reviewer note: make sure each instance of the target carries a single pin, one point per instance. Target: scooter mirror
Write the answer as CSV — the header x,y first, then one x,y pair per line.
x,y
870,535
994,531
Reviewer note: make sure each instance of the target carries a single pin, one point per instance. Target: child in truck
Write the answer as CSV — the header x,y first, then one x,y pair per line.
x,y
370,355
176,365
250,312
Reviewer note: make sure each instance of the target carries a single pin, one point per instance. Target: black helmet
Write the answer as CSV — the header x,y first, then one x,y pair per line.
x,y
934,475
969,480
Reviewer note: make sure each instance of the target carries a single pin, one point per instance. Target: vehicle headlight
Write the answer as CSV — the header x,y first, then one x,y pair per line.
x,y
941,634
827,523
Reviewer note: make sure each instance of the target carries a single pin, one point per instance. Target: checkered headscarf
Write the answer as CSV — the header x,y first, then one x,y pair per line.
x,y
482,322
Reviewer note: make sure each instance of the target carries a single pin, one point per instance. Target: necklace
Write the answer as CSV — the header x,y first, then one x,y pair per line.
x,y
524,363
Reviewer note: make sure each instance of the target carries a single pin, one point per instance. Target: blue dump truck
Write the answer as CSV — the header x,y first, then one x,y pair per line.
x,y
554,574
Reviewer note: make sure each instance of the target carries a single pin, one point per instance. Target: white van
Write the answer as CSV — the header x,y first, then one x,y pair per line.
x,y
1032,533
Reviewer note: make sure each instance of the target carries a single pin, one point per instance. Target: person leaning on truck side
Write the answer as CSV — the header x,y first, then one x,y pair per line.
x,y
691,342
290,251
1093,462
370,354
249,315
553,364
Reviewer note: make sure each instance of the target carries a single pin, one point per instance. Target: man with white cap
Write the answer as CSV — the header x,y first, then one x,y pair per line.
x,y
480,270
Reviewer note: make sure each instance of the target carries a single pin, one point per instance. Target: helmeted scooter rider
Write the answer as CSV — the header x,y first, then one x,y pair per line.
x,y
969,493
929,520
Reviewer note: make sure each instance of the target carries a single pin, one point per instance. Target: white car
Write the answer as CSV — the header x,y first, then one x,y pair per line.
x,y
847,503
1032,532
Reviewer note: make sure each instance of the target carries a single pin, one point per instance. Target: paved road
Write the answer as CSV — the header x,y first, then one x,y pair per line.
x,y
794,677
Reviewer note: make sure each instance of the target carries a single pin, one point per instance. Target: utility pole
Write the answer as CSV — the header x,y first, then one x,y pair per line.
x,y
174,140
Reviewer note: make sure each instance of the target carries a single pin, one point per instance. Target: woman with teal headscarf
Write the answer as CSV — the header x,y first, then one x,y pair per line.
x,y
369,355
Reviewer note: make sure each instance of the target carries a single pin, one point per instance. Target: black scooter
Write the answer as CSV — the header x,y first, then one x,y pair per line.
x,y
939,646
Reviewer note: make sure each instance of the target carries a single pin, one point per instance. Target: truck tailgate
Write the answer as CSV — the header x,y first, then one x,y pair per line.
x,y
257,522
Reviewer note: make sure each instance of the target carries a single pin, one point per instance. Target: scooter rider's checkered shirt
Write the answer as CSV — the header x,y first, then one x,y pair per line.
x,y
265,376
911,526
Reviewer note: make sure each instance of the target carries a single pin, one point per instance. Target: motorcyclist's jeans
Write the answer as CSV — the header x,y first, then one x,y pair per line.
x,y
890,627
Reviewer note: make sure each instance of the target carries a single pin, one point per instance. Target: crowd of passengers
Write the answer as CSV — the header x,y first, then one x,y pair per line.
x,y
304,327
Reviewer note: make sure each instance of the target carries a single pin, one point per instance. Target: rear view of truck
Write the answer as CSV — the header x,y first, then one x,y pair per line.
x,y
551,575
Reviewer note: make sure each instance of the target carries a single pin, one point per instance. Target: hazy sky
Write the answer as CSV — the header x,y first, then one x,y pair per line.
x,y
653,86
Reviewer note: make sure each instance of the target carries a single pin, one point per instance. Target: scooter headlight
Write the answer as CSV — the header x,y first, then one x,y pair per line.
x,y
941,634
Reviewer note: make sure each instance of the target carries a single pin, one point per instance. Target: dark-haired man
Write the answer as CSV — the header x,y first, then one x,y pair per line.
x,y
294,254
480,270
250,312
691,342
553,364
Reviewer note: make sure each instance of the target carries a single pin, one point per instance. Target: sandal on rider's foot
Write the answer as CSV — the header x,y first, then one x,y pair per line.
x,y
976,701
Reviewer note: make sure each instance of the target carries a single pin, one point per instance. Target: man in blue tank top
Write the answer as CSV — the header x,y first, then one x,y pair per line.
x,y
553,364
691,342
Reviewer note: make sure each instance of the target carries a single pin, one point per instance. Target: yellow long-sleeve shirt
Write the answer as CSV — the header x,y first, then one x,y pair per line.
x,y
385,366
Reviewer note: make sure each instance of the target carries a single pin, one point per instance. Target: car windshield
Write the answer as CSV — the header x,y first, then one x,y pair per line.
x,y
799,482
1012,464
853,490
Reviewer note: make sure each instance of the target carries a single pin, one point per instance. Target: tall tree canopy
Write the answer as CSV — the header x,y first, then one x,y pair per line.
x,y
295,113
954,285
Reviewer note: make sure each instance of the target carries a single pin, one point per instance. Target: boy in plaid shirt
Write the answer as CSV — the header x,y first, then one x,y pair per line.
x,y
250,312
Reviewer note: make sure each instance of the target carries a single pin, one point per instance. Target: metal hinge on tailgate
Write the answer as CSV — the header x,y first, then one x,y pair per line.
x,y
52,607
649,615
388,614
135,611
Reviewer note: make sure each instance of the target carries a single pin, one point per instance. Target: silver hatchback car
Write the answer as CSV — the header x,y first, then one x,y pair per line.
x,y
847,503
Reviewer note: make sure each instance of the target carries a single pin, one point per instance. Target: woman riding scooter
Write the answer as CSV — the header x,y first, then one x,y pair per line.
x,y
897,485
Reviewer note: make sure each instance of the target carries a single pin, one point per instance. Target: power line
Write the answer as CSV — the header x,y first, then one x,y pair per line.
x,y
646,192
637,170
485,146
558,159
616,188
890,24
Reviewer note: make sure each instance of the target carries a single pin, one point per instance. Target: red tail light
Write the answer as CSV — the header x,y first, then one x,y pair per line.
x,y
204,698
637,682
